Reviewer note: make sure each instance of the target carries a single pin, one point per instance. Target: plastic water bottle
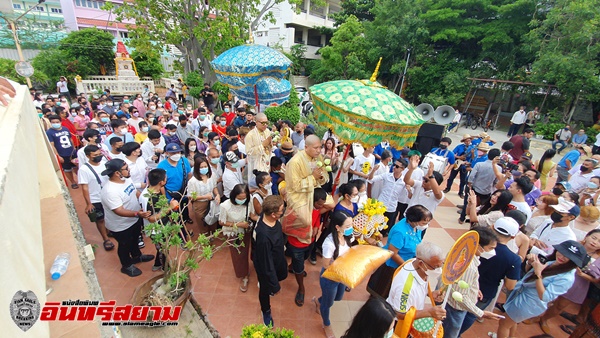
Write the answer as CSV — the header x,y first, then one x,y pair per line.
x,y
59,267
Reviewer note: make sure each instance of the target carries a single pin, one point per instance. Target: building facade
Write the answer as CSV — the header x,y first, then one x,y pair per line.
x,y
292,28
42,26
81,14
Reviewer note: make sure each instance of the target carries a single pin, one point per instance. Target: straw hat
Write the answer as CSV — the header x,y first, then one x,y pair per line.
x,y
483,146
466,136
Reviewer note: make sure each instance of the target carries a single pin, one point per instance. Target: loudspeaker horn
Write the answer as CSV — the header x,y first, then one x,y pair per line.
x,y
444,115
426,110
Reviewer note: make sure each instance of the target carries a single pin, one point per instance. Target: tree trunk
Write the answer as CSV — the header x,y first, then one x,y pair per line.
x,y
573,107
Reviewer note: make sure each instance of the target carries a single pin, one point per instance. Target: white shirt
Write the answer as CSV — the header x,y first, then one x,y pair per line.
x,y
115,195
563,134
200,188
416,288
417,174
552,235
457,117
329,247
196,124
135,123
359,161
424,198
519,117
148,151
390,188
230,180
62,86
377,185
83,159
86,176
597,143
137,170
216,173
524,207
579,180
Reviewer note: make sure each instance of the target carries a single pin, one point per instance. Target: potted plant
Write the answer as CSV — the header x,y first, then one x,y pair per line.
x,y
263,331
181,257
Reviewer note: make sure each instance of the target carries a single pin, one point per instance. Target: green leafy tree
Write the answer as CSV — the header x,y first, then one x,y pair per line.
x,y
200,30
7,69
148,64
296,55
87,50
566,43
31,34
346,57
361,9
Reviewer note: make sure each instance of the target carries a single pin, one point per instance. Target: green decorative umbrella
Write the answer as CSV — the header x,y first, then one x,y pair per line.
x,y
364,111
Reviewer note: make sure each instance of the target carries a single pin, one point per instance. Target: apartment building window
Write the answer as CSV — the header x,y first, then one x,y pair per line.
x,y
89,3
55,10
317,10
303,6
124,35
38,8
17,6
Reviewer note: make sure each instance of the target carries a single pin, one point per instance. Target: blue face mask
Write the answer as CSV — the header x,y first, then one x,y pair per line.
x,y
215,160
348,232
56,125
203,171
105,120
223,123
240,202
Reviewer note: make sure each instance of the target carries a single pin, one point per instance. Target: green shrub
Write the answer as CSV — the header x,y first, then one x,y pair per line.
x,y
287,111
222,91
263,331
310,119
195,84
548,130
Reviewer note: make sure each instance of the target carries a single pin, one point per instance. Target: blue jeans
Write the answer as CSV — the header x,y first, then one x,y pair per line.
x,y
453,323
470,318
561,142
330,292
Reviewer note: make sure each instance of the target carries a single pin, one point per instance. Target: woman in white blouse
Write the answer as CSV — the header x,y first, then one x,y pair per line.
x,y
264,183
236,216
487,214
201,190
541,213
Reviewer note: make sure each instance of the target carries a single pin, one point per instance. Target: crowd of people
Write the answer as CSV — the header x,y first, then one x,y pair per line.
x,y
538,244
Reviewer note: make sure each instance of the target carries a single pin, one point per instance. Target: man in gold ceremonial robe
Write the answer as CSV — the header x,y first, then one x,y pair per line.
x,y
258,148
302,177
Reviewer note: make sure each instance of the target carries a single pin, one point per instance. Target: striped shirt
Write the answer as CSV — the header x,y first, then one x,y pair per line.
x,y
471,277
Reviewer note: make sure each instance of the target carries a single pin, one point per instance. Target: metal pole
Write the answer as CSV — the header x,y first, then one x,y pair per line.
x,y
404,73
13,28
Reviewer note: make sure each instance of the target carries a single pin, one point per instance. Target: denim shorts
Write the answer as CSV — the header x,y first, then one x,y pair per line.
x,y
299,255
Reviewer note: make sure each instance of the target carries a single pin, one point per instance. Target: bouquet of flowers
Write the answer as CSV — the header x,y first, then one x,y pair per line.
x,y
370,221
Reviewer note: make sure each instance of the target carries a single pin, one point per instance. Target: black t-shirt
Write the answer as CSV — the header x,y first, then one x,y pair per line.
x,y
269,256
207,96
491,271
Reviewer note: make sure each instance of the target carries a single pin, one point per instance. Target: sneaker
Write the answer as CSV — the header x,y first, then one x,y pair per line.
x,y
142,259
446,190
461,195
460,206
141,243
313,260
267,318
156,267
244,284
131,271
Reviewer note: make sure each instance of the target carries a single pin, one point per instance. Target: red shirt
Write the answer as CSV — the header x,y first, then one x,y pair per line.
x,y
229,117
316,223
219,130
69,125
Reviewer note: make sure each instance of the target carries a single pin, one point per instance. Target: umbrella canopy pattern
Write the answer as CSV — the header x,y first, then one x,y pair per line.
x,y
244,65
269,91
365,112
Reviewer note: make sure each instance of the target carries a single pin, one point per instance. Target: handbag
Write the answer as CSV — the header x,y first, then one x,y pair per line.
x,y
417,328
235,231
213,213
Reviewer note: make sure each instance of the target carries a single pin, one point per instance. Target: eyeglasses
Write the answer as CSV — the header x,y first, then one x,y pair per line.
x,y
426,264
126,169
264,123
397,166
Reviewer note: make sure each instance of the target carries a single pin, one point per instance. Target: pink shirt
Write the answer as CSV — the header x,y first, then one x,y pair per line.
x,y
81,121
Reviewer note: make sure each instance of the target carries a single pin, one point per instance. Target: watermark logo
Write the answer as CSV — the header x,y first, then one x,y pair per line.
x,y
24,309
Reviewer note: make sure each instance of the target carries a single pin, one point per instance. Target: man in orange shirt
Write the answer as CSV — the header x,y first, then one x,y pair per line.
x,y
228,114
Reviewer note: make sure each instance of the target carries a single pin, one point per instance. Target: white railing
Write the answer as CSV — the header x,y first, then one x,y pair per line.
x,y
102,78
116,87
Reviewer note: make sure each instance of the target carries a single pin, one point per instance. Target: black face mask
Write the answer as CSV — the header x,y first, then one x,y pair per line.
x,y
584,169
118,149
237,153
98,139
557,191
443,146
556,217
97,159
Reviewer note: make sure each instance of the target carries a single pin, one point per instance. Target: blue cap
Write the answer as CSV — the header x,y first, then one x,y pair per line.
x,y
173,148
55,276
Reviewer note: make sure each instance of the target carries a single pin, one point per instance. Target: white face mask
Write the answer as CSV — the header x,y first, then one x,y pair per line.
x,y
175,158
362,194
354,199
389,334
433,274
422,227
269,185
488,254
192,148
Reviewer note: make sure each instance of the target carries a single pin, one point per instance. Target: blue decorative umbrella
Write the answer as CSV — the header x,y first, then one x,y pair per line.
x,y
268,91
244,65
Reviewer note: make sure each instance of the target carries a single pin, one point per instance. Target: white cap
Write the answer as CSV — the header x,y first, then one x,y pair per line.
x,y
507,226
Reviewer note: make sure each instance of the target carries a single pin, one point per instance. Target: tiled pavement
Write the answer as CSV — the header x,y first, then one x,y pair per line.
x,y
228,309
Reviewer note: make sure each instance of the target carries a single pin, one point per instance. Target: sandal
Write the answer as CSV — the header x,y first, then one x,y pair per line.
x,y
74,186
460,221
108,245
570,317
244,286
533,320
299,300
569,329
544,326
317,305
329,331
